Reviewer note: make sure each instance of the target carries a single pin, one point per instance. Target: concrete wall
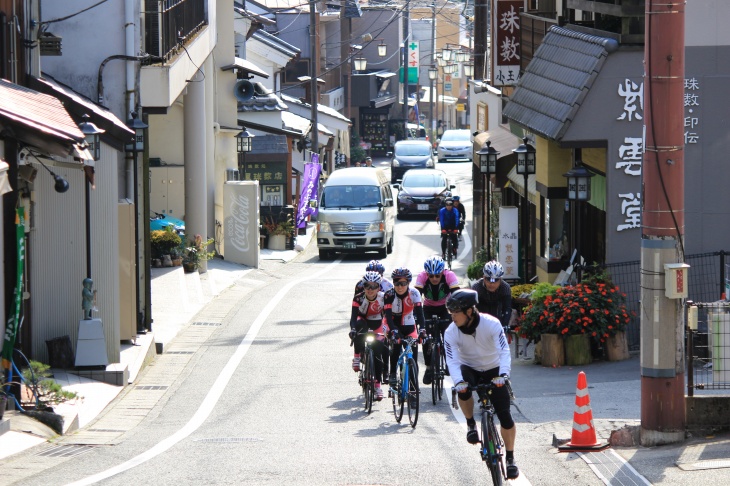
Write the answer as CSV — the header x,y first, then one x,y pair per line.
x,y
707,411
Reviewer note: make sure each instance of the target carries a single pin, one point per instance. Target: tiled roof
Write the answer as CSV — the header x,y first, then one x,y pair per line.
x,y
269,144
320,107
267,102
276,43
557,80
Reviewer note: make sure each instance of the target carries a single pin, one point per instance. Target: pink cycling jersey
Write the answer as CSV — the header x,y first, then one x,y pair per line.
x,y
436,295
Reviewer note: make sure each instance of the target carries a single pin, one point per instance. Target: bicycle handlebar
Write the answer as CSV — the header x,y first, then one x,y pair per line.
x,y
481,388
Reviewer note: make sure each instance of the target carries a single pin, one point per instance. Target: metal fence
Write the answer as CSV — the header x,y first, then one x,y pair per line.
x,y
706,284
708,346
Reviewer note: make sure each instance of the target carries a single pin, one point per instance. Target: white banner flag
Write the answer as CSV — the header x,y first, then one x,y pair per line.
x,y
509,255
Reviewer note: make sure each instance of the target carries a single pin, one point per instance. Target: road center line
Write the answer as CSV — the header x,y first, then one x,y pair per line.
x,y
214,394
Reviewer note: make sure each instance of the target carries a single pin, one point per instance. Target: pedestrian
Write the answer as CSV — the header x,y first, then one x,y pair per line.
x,y
368,162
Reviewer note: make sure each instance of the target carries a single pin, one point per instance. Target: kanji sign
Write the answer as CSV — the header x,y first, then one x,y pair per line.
x,y
506,46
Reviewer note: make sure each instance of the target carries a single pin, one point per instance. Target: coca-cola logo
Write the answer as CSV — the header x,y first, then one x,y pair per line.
x,y
238,223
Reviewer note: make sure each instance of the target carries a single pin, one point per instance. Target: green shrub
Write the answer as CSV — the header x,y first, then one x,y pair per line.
x,y
163,242
475,270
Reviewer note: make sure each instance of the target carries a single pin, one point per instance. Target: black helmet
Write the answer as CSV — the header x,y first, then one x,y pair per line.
x,y
462,300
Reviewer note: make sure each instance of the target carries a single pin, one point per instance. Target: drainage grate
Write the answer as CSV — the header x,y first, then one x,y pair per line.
x,y
696,466
202,323
179,352
227,440
65,451
151,387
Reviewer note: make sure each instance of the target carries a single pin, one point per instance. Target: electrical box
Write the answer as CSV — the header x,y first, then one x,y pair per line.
x,y
675,280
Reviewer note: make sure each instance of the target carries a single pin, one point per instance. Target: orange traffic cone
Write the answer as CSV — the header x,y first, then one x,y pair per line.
x,y
584,433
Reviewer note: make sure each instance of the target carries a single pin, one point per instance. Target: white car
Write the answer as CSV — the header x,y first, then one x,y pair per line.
x,y
455,145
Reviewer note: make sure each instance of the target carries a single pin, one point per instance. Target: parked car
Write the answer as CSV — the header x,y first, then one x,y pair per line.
x,y
410,154
159,221
455,145
422,192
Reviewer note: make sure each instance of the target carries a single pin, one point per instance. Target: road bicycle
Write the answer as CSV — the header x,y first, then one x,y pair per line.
x,y
492,446
450,250
438,356
405,391
366,375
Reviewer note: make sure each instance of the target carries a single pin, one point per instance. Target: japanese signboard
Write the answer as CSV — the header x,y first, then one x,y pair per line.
x,y
630,151
506,42
508,242
266,172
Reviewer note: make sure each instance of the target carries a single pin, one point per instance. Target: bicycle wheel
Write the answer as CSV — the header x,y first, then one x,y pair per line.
x,y
369,380
449,251
437,372
442,371
397,395
489,451
412,392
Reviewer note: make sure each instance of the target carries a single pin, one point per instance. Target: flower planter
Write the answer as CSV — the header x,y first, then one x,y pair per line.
x,y
277,242
176,262
617,347
552,350
188,267
578,350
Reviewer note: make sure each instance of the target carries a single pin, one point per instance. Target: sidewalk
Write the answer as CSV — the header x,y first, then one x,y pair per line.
x,y
177,297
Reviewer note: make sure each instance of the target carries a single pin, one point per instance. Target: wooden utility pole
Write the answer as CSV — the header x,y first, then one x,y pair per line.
x,y
662,225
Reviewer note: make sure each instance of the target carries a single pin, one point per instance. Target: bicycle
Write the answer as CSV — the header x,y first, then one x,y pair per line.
x,y
491,441
366,375
438,356
450,250
405,392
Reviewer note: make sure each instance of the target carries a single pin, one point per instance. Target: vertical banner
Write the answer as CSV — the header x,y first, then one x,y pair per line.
x,y
506,42
11,327
509,251
310,184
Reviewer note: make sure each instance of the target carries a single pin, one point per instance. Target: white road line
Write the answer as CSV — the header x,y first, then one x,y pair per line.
x,y
214,394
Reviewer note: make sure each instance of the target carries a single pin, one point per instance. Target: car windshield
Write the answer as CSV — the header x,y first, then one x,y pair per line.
x,y
412,150
455,136
350,197
424,180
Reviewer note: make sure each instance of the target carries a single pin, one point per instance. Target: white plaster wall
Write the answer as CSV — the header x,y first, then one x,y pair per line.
x,y
166,135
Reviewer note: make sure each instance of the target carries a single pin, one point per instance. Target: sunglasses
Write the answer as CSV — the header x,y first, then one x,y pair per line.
x,y
400,284
371,286
434,276
449,204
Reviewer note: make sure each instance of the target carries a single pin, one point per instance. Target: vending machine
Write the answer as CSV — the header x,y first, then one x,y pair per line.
x,y
241,222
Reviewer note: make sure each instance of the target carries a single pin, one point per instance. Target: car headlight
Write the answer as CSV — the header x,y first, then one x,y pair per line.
x,y
323,227
376,226
404,197
395,163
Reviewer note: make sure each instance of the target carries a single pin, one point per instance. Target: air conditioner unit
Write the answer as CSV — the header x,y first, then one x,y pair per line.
x,y
232,175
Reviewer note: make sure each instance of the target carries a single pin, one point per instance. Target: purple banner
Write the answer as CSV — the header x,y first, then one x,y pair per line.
x,y
310,185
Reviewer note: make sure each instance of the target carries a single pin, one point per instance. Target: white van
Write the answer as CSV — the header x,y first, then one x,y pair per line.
x,y
356,213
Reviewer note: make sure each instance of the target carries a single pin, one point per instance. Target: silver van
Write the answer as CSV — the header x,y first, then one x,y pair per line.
x,y
356,213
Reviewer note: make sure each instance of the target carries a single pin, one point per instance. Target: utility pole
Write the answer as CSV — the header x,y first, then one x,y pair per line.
x,y
313,72
432,129
481,22
662,225
406,14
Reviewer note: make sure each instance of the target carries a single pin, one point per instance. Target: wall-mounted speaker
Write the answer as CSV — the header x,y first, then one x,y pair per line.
x,y
243,90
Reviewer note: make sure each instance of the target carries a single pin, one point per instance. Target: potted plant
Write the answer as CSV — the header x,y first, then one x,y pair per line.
x,y
5,395
278,231
164,242
594,309
196,253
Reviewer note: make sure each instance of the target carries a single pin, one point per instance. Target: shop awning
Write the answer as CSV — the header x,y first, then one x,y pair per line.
x,y
517,181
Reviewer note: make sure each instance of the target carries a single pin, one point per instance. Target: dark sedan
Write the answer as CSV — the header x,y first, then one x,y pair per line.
x,y
422,192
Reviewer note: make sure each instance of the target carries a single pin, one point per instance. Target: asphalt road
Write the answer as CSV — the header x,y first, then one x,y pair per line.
x,y
269,396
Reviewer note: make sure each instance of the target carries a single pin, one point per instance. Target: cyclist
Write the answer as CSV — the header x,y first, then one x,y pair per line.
x,y
462,213
495,295
449,221
436,283
403,314
367,314
375,266
477,352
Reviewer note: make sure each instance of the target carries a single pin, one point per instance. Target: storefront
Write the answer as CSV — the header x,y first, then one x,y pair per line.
x,y
374,94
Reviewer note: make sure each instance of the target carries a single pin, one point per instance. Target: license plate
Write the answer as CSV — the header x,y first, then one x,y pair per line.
x,y
350,245
423,207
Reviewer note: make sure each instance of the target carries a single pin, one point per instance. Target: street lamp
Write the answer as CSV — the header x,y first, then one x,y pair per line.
x,y
488,165
382,48
243,144
433,73
579,190
525,166
447,53
135,146
91,135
